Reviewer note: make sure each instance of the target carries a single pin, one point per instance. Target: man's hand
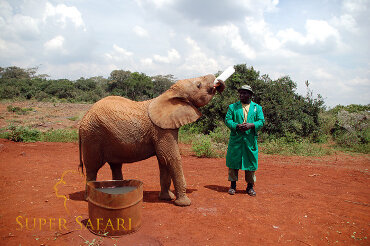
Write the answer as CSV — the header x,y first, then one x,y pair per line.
x,y
245,126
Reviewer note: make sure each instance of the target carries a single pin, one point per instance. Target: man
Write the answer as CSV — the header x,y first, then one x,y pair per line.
x,y
244,118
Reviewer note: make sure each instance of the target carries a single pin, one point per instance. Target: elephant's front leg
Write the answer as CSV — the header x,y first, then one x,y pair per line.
x,y
165,179
177,175
168,154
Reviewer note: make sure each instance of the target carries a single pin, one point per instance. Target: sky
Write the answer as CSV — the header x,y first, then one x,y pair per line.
x,y
323,41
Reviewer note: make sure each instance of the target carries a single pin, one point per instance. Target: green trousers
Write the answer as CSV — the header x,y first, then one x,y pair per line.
x,y
250,177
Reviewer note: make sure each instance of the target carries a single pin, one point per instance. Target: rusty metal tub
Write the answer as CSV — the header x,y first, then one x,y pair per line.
x,y
114,206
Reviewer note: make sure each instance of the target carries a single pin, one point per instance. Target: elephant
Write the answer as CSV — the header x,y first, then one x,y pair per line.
x,y
117,130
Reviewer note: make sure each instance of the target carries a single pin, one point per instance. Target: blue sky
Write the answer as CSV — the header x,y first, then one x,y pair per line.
x,y
325,42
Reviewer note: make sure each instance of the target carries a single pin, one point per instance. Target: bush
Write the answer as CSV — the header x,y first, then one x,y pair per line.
x,y
25,134
352,130
220,134
22,134
202,147
18,110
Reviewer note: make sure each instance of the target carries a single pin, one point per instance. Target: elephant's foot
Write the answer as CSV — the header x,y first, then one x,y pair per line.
x,y
167,195
183,201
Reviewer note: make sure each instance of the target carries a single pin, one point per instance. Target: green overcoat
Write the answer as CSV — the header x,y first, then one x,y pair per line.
x,y
242,151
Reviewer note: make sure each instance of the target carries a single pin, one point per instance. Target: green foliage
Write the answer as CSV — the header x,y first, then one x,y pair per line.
x,y
204,147
162,83
18,110
220,134
19,83
283,146
290,117
26,134
60,135
285,111
137,86
352,108
17,73
73,118
22,134
352,130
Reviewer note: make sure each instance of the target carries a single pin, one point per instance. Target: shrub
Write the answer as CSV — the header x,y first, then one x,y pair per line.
x,y
352,130
18,110
203,147
23,134
220,134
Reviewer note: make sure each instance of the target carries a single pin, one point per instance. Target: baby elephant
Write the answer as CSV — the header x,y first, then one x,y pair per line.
x,y
117,130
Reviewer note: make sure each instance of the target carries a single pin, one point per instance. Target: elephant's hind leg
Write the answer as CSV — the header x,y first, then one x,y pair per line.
x,y
165,180
92,165
116,170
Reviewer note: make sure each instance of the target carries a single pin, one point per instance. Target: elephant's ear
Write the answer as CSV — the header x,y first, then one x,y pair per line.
x,y
171,111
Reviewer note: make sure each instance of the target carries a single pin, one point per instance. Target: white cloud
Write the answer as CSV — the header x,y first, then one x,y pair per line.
x,y
120,57
26,26
62,13
231,33
6,10
141,32
360,81
347,22
258,29
320,37
325,42
10,49
122,51
319,31
323,74
198,62
146,61
55,44
172,55
355,6
156,3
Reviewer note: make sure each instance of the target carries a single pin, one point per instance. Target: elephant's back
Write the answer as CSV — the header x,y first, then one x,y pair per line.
x,y
118,116
120,127
116,108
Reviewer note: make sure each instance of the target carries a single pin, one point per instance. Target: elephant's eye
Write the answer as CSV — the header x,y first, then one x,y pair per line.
x,y
199,85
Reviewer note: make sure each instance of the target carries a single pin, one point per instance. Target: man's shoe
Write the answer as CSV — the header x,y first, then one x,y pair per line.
x,y
250,190
231,191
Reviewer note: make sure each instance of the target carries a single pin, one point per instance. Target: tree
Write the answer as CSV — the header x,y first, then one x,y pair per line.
x,y
15,73
161,83
287,113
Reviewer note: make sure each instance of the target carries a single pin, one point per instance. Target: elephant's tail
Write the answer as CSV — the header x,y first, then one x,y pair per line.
x,y
79,147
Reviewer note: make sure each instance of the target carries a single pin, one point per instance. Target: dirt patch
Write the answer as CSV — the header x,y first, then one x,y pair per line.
x,y
300,200
43,115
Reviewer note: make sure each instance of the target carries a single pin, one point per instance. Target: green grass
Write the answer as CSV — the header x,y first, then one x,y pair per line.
x,y
60,135
73,118
26,134
299,148
18,110
215,144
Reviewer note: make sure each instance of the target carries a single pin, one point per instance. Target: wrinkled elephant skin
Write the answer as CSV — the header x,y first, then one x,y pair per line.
x,y
117,130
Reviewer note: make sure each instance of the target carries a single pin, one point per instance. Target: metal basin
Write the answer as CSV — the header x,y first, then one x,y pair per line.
x,y
114,206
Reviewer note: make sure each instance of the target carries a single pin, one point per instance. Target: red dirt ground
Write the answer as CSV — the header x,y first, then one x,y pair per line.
x,y
300,200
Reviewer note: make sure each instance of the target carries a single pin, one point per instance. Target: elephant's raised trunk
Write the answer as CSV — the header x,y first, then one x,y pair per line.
x,y
220,86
